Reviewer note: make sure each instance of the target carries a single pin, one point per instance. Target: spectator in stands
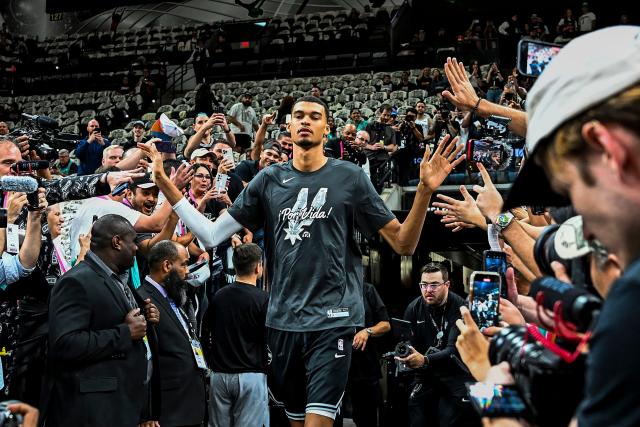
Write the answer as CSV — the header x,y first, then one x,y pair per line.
x,y
239,357
355,118
125,87
89,150
248,169
111,156
404,83
337,147
283,110
438,83
221,165
200,58
333,128
147,89
316,91
567,23
286,143
63,165
4,129
385,85
183,376
205,101
536,27
204,157
424,119
494,81
137,136
204,127
510,32
382,140
586,21
424,79
243,121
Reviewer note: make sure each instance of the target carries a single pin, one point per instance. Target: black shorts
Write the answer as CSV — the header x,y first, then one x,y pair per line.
x,y
310,370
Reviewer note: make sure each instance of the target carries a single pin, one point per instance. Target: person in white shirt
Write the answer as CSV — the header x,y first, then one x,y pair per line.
x,y
243,121
587,21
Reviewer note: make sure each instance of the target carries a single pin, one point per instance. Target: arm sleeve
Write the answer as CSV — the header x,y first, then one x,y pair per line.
x,y
74,188
210,234
70,336
371,212
11,270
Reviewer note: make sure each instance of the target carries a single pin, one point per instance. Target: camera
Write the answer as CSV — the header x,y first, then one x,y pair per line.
x,y
44,136
8,419
402,349
550,386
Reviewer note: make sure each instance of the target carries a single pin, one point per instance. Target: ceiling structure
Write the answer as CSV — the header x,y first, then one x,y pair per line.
x,y
168,13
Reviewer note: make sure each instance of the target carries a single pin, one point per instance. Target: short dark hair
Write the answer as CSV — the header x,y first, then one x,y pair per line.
x,y
434,267
283,134
313,99
246,257
166,250
108,226
411,110
354,109
170,163
385,107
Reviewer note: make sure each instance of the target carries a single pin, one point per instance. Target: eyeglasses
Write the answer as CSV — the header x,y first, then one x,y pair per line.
x,y
434,286
202,176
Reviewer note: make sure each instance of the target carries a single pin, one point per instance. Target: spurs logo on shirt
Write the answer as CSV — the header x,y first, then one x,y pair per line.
x,y
300,216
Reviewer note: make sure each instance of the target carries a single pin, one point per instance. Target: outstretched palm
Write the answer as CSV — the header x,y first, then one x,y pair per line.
x,y
435,167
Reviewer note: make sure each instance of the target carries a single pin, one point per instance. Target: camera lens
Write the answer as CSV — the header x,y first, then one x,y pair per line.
x,y
402,349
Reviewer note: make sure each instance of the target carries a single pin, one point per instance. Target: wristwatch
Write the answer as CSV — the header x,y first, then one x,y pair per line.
x,y
369,331
503,220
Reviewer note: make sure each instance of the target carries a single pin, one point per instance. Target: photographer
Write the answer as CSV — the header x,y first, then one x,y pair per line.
x,y
338,147
89,150
14,267
383,140
411,146
439,385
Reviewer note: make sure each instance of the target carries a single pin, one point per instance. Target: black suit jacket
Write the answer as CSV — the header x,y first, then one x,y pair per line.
x,y
182,382
96,372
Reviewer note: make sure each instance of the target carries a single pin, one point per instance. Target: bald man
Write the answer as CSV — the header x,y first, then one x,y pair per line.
x,y
337,148
89,151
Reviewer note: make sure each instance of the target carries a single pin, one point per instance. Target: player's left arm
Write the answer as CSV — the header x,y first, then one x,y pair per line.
x,y
404,237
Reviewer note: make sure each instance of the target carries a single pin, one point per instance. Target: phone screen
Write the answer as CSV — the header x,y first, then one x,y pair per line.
x,y
535,56
484,298
495,400
494,156
496,261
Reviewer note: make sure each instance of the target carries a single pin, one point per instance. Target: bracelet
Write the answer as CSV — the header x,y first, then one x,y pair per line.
x,y
475,107
227,130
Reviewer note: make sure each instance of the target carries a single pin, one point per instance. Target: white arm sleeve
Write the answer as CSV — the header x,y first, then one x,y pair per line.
x,y
210,234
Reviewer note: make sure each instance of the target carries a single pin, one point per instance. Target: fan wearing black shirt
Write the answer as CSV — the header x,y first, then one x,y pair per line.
x,y
239,353
248,169
439,384
309,207
404,83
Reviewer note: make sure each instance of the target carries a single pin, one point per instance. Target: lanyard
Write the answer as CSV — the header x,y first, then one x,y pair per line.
x,y
62,261
182,316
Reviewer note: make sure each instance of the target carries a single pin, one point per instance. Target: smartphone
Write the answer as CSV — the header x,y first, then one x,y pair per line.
x,y
120,189
534,56
197,266
495,156
495,400
484,298
496,261
221,182
227,154
219,109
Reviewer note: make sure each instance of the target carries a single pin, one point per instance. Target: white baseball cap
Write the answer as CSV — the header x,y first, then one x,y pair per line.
x,y
587,71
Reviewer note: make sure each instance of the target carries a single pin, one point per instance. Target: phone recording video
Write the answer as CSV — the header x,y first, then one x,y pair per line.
x,y
484,298
495,400
535,56
496,261
494,155
219,109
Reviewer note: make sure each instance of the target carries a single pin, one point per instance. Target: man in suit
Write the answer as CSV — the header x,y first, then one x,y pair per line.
x,y
183,373
100,358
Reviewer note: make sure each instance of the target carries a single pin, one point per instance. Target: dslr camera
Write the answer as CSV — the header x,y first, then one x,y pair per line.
x,y
44,136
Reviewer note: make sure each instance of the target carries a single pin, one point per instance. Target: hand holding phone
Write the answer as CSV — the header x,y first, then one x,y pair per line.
x,y
484,298
496,261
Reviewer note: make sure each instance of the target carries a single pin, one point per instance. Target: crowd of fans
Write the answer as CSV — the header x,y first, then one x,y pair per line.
x,y
186,272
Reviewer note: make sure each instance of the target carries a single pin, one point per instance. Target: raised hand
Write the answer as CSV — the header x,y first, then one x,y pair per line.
x,y
463,95
435,168
116,178
489,199
472,346
465,211
182,176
